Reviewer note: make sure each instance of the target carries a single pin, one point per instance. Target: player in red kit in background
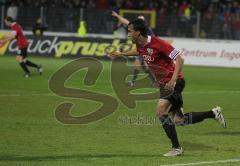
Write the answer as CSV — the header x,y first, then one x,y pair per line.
x,y
165,60
22,44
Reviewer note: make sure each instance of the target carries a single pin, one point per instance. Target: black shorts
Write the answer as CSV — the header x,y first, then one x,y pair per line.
x,y
176,98
22,52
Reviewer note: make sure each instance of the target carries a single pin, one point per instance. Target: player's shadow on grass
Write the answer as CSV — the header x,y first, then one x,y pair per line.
x,y
67,157
195,146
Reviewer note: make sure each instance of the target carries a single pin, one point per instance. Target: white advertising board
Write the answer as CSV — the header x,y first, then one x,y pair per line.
x,y
209,52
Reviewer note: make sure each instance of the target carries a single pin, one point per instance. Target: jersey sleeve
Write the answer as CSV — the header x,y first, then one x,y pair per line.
x,y
168,49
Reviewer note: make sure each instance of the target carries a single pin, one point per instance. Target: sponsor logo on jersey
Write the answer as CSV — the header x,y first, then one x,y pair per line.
x,y
150,51
148,58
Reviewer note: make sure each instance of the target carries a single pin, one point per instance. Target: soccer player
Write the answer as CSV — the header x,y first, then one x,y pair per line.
x,y
138,61
22,44
157,54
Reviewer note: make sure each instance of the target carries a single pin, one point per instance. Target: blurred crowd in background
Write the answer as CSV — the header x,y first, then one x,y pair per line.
x,y
218,18
168,5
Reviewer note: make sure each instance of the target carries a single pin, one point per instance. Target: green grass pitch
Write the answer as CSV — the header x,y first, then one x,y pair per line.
x,y
31,135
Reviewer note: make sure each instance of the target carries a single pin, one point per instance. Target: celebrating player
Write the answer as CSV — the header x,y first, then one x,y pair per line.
x,y
138,59
22,44
166,63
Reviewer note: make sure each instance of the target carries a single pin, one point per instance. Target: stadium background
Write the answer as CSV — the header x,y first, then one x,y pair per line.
x,y
218,19
32,135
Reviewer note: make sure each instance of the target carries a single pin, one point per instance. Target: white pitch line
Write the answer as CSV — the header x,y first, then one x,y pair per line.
x,y
186,92
206,162
211,92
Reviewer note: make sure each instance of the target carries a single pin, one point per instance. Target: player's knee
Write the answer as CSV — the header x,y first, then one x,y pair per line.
x,y
180,121
177,115
161,110
18,59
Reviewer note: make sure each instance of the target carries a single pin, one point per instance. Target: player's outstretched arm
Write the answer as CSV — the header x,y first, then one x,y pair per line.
x,y
120,18
132,52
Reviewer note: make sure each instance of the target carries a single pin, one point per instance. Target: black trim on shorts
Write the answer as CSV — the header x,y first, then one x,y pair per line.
x,y
176,98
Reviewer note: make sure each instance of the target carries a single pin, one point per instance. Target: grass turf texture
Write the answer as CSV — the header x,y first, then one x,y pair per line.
x,y
31,135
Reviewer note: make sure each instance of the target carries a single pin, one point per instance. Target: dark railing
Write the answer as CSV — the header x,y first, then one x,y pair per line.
x,y
198,25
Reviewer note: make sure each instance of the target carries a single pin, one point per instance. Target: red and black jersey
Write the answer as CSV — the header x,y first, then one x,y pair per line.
x,y
160,56
21,39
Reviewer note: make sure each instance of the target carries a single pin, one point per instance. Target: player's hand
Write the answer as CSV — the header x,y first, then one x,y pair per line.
x,y
114,14
115,54
170,85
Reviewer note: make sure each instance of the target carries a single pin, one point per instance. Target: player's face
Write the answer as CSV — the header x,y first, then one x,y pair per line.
x,y
133,34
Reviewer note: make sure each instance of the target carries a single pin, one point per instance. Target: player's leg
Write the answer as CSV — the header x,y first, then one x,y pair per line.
x,y
31,64
175,101
192,117
38,67
163,108
195,117
20,59
136,67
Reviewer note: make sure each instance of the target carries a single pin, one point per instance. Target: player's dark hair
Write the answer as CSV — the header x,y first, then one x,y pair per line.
x,y
139,25
9,19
